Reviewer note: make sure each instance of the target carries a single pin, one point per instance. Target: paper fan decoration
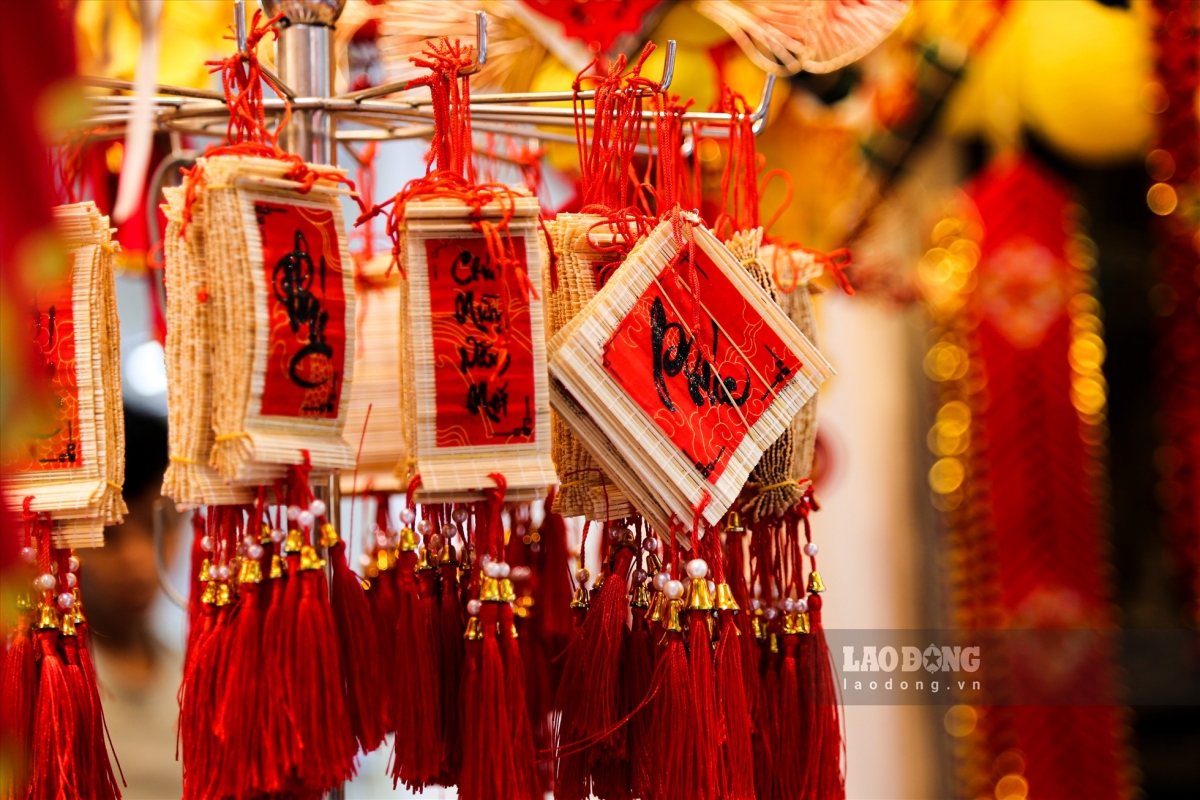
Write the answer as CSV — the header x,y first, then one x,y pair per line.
x,y
513,52
789,36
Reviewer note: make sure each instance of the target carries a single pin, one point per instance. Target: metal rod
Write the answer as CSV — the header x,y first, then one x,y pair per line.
x,y
127,86
239,23
160,564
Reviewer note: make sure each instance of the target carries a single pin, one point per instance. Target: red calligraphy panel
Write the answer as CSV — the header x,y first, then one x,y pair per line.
x,y
306,310
482,345
704,372
52,315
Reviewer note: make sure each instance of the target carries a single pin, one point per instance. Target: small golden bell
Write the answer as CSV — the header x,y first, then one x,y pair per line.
x,y
672,620
265,536
309,559
815,584
68,625
408,540
802,623
599,584
250,571
447,555
507,593
204,567
699,598
293,542
489,591
641,597
209,595
580,600
276,567
474,630
223,594
725,601
653,564
329,535
733,523
47,617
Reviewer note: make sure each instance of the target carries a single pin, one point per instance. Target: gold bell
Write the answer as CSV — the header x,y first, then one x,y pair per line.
x,y
507,593
655,612
276,568
447,555
599,584
77,607
802,623
265,536
815,584
641,597
294,542
47,617
329,535
250,571
489,591
672,620
408,540
68,625
725,601
653,564
733,523
580,600
474,630
204,567
209,595
223,594
699,598
309,559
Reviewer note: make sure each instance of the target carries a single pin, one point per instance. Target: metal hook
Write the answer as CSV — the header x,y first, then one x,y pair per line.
x,y
239,23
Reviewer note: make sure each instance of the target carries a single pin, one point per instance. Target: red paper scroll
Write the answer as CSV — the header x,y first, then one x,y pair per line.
x,y
706,385
482,345
52,316
306,310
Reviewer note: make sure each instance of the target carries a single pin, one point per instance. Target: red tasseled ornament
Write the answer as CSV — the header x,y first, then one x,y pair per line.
x,y
276,728
766,729
791,741
737,755
418,745
735,576
358,645
710,728
54,773
572,780
198,578
636,678
85,741
239,715
492,762
107,786
18,695
674,723
451,635
826,781
473,734
313,681
524,776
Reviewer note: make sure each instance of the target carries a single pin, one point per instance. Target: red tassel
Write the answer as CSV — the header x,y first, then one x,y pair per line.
x,y
637,679
524,776
826,780
277,733
451,622
17,705
709,730
418,749
674,722
199,751
313,679
382,594
737,756
766,727
473,734
55,770
791,743
107,786
492,762
358,645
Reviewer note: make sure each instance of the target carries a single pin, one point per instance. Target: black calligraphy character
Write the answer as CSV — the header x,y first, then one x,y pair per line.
x,y
668,361
704,381
480,354
469,268
710,467
782,371
292,281
493,407
481,314
526,426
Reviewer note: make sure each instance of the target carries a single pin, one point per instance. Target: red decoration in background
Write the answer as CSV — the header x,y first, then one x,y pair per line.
x,y
704,385
1177,35
482,344
306,307
597,23
1033,517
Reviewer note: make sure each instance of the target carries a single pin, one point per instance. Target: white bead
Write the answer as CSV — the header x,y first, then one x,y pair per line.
x,y
29,554
697,568
277,536
71,580
789,605
521,573
810,549
582,575
484,560
802,605
223,572
73,564
492,569
317,507
650,544
660,580
365,560
424,527
435,542
474,607
45,582
449,531
407,516
255,551
673,589
293,513
305,518
503,569
212,573
247,540
66,600
771,613
639,577
460,515
206,544
381,539
755,605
